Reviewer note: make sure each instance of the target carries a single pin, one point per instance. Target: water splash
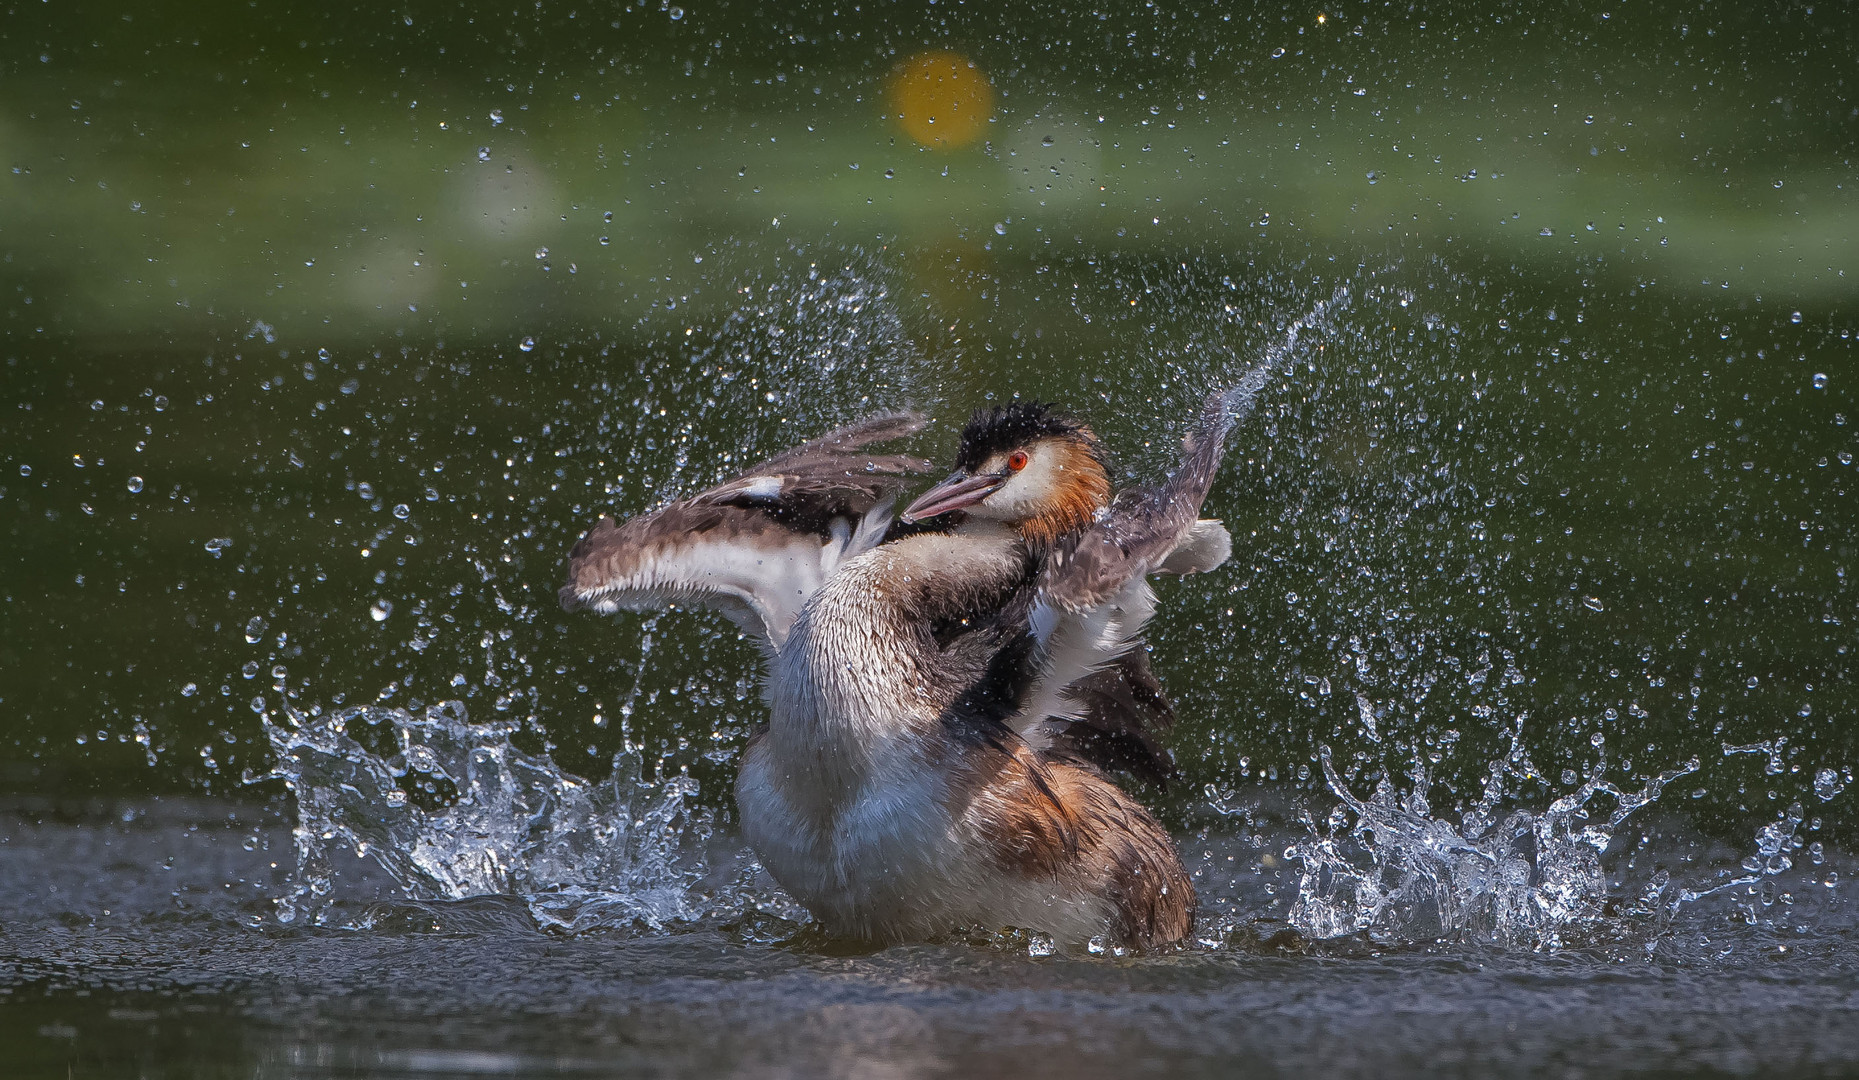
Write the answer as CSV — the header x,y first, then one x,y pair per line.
x,y
453,809
1231,408
1775,843
818,340
1399,874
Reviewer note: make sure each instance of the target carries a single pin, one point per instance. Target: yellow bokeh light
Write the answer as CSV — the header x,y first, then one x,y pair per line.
x,y
941,99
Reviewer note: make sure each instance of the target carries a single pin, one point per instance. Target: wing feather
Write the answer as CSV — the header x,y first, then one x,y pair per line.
x,y
1095,697
758,545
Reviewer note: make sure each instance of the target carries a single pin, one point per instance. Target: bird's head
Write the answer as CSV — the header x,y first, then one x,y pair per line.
x,y
1026,465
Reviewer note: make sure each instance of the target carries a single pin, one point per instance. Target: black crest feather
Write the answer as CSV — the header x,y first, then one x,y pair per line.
x,y
1005,427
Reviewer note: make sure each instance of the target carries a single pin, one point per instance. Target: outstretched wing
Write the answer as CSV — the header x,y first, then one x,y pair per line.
x,y
1155,527
1096,697
757,546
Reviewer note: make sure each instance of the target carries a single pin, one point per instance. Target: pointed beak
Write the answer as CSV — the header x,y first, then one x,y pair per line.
x,y
958,491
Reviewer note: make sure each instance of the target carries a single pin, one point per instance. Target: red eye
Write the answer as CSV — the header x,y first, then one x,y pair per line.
x,y
1016,460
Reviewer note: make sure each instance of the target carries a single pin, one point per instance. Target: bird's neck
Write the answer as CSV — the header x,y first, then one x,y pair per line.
x,y
858,689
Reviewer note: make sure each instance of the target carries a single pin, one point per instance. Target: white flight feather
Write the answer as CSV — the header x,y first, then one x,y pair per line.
x,y
1073,645
759,588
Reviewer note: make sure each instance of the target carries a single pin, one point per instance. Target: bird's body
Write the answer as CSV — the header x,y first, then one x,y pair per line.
x,y
947,691
890,798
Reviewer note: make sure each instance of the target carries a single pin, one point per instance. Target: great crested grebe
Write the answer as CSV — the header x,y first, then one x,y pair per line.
x,y
946,690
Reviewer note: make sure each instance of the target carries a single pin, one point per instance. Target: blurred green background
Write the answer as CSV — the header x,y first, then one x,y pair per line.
x,y
328,328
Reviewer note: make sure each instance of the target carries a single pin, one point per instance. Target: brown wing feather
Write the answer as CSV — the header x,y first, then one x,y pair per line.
x,y
1046,818
1055,821
1111,706
757,545
1146,524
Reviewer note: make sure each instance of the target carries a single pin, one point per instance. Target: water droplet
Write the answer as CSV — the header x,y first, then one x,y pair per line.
x,y
1000,228
1547,231
496,117
676,13
97,405
254,630
250,670
608,216
189,690
1778,184
1723,332
484,153
135,484
380,610
1047,141
25,470
1278,52
605,240
351,385
1820,380
1597,739
401,511
528,344
217,545
161,403
365,490
890,174
1373,176
542,253
1593,603
1588,120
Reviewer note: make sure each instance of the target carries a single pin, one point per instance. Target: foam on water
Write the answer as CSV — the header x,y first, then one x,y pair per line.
x,y
1396,873
454,809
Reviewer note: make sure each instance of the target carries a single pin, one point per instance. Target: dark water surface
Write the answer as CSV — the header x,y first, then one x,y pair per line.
x,y
1517,736
129,951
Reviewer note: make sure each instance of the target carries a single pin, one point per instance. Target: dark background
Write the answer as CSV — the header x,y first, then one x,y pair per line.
x,y
396,300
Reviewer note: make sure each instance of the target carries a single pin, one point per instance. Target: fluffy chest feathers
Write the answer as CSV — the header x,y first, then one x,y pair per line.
x,y
853,772
863,674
